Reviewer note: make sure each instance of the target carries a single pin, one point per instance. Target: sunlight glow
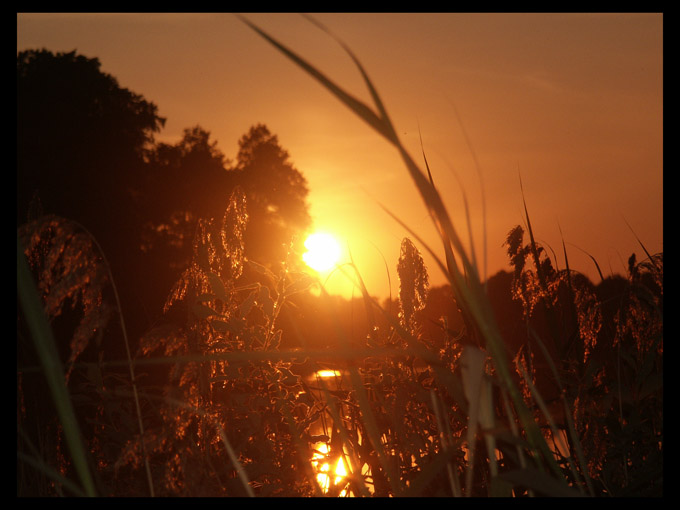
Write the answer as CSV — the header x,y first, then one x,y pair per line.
x,y
323,251
324,473
327,373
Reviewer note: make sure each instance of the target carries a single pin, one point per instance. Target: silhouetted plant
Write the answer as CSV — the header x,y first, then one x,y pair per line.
x,y
70,275
74,281
604,362
246,402
413,284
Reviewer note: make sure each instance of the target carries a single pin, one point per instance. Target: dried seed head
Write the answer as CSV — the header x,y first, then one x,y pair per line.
x,y
413,283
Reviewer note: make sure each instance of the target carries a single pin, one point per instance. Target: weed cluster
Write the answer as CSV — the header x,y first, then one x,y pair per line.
x,y
229,413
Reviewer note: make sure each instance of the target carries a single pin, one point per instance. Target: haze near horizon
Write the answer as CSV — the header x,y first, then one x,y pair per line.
x,y
572,103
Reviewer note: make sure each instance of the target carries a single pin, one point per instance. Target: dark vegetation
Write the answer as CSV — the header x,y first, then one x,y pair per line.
x,y
187,337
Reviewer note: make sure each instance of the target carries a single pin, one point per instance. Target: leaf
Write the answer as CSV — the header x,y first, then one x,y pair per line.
x,y
275,341
248,302
202,311
205,297
259,268
540,482
302,284
226,326
217,286
266,301
289,378
500,488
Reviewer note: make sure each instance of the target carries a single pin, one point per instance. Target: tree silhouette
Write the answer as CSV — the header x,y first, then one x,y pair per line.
x,y
192,179
81,140
187,176
80,136
184,182
276,193
86,149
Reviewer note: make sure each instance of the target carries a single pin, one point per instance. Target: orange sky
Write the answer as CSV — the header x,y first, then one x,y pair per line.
x,y
573,102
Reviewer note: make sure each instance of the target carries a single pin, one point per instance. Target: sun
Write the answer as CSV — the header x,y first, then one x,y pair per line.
x,y
323,251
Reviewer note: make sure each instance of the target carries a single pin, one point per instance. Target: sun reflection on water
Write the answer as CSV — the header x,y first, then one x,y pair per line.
x,y
330,469
320,462
324,374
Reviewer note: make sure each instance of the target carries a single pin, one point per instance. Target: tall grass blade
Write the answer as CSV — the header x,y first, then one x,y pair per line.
x,y
597,266
546,412
534,249
472,363
50,361
390,133
51,473
427,166
649,256
474,300
444,437
478,168
354,104
468,218
131,367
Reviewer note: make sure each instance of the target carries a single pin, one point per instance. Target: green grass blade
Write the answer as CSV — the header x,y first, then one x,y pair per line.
x,y
52,368
51,473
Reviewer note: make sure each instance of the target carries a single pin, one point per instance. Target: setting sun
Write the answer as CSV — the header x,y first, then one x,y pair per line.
x,y
323,251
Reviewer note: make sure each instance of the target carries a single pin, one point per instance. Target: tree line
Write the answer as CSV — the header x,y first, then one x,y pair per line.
x,y
86,151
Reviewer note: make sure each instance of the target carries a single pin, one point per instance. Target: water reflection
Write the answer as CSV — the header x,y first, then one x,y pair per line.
x,y
325,473
329,465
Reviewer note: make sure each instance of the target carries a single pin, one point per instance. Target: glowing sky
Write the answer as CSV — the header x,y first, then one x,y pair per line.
x,y
572,102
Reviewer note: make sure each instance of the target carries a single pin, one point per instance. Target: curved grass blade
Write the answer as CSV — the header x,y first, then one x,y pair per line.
x,y
354,104
383,126
478,305
478,167
445,438
131,367
390,133
597,266
652,259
